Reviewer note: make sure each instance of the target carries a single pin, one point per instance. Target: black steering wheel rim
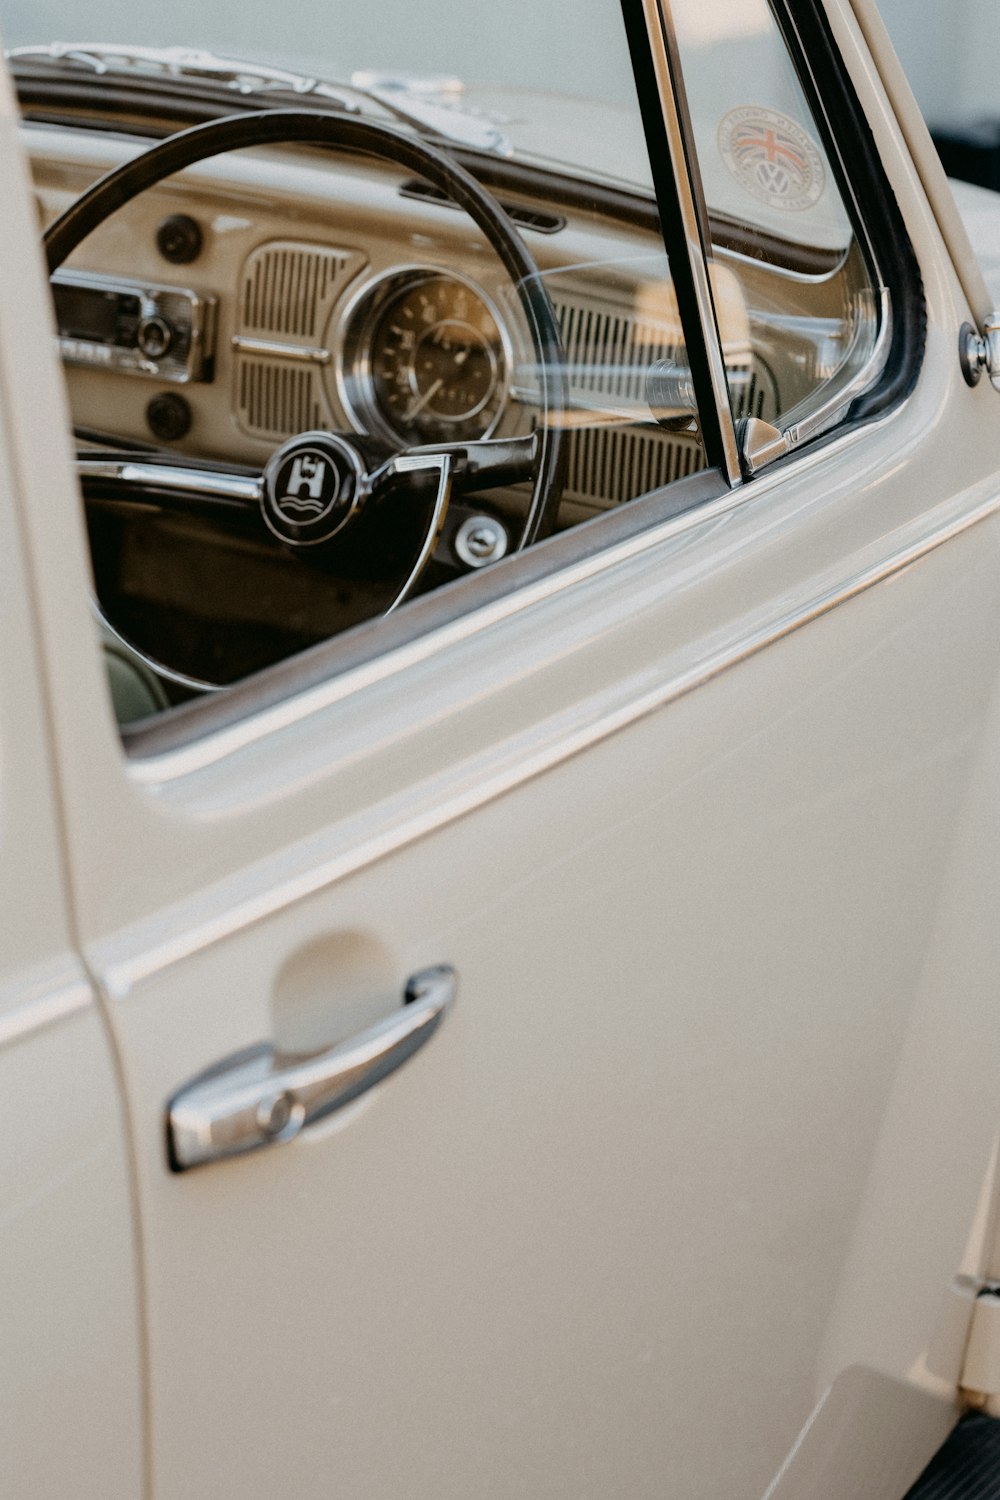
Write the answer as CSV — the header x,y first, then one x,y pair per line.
x,y
386,143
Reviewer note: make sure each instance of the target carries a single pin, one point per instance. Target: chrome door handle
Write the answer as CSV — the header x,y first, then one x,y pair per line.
x,y
260,1098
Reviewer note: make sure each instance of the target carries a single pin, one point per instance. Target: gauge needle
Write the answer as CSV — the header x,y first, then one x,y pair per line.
x,y
421,401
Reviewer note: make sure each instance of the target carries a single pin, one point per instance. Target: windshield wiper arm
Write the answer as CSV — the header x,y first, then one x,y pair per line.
x,y
403,97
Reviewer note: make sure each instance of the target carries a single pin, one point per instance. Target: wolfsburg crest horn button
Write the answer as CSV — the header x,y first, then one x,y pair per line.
x,y
312,487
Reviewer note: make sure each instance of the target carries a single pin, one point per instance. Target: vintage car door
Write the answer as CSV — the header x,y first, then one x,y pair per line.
x,y
678,806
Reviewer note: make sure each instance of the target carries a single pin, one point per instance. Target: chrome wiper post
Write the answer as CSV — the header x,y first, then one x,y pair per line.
x,y
417,107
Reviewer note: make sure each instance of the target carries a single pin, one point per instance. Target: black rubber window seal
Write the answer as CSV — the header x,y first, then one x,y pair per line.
x,y
847,137
672,223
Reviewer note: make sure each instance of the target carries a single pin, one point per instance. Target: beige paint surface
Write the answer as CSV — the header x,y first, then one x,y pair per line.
x,y
71,1396
705,842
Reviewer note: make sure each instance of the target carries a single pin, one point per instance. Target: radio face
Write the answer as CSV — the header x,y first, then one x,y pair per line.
x,y
137,328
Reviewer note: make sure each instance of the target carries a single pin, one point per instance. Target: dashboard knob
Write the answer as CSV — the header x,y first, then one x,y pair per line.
x,y
179,239
154,336
169,417
481,540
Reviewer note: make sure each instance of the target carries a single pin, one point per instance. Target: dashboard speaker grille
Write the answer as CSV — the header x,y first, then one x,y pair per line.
x,y
609,465
608,356
607,353
278,398
287,293
287,288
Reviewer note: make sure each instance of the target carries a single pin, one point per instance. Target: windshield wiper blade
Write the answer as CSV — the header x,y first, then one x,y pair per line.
x,y
398,97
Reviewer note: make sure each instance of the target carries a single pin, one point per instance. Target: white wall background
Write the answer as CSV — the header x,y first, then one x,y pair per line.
x,y
951,52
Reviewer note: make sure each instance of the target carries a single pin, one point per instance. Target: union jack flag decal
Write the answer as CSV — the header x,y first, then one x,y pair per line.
x,y
772,157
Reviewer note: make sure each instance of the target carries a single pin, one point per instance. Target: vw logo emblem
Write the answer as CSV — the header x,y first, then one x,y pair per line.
x,y
311,488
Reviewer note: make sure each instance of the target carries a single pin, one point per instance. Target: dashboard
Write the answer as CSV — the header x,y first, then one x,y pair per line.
x,y
259,296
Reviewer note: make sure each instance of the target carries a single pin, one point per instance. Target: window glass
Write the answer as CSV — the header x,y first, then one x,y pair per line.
x,y
217,316
777,217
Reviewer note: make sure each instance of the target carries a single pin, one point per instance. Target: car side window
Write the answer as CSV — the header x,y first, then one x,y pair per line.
x,y
778,220
421,329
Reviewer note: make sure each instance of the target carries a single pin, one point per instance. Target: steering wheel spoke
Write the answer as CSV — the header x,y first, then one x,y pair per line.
x,y
490,463
169,480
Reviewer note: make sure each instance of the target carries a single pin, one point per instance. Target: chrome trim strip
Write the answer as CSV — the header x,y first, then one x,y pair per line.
x,y
123,977
167,477
657,16
243,343
839,400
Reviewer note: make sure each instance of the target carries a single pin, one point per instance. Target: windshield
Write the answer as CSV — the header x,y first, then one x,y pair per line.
x,y
522,65
516,41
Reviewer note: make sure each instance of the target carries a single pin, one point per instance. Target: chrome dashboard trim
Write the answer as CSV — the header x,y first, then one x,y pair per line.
x,y
244,343
193,366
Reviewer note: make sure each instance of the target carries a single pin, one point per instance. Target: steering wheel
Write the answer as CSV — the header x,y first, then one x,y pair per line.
x,y
317,484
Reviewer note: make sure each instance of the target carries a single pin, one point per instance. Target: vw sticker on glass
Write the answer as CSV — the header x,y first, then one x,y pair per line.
x,y
772,157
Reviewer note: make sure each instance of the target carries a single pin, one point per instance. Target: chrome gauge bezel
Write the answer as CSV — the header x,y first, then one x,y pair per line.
x,y
353,366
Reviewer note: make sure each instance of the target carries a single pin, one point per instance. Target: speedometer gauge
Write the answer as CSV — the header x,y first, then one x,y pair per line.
x,y
426,362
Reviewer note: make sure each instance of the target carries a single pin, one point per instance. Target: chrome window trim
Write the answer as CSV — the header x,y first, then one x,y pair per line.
x,y
839,401
659,25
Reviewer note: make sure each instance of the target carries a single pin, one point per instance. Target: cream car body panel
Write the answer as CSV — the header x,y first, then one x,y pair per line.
x,y
71,1379
702,821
